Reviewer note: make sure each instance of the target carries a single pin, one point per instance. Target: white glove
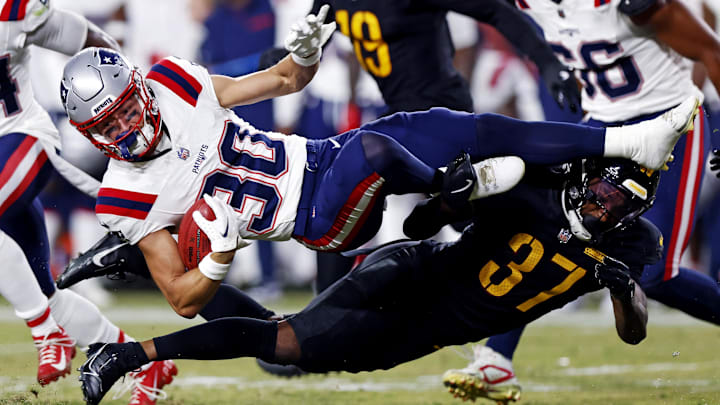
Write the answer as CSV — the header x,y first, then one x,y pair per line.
x,y
307,37
224,230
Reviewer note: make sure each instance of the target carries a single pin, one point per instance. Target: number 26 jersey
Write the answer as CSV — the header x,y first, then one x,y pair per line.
x,y
625,72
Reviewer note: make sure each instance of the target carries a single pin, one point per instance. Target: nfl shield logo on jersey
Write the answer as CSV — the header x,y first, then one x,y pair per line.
x,y
564,235
183,153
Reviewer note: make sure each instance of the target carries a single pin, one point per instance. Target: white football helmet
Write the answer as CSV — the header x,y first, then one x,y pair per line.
x,y
108,102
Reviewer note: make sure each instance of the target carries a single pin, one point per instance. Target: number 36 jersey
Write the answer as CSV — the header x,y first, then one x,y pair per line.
x,y
625,72
212,151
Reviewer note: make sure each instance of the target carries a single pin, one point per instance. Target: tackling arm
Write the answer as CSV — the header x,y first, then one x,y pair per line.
x,y
631,316
99,38
629,302
68,32
187,292
677,27
513,25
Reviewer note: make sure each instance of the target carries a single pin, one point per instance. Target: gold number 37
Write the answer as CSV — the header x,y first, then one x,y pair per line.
x,y
517,269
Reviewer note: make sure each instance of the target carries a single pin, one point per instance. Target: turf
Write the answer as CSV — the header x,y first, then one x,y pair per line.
x,y
569,360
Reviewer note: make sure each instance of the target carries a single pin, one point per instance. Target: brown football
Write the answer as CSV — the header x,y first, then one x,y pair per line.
x,y
193,244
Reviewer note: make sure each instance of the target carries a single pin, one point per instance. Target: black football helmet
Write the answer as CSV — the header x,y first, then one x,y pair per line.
x,y
604,194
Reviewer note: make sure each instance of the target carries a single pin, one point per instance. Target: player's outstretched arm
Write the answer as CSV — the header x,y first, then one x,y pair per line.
x,y
99,38
513,25
674,25
631,316
67,32
629,301
290,75
187,292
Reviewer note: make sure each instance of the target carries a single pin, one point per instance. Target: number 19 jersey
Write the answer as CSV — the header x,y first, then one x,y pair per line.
x,y
207,149
625,72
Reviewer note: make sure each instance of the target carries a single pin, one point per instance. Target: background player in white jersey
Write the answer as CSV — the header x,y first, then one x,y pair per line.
x,y
173,139
28,143
630,59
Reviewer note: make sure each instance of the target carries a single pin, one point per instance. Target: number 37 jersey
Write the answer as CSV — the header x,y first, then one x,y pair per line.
x,y
625,72
212,151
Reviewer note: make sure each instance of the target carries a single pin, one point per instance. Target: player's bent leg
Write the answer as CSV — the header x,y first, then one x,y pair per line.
x,y
402,171
648,143
490,375
493,176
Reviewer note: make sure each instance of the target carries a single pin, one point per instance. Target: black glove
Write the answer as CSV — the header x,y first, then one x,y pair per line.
x,y
715,162
615,276
560,80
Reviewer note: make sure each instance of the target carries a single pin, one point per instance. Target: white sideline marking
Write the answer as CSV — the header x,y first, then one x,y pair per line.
x,y
626,368
420,384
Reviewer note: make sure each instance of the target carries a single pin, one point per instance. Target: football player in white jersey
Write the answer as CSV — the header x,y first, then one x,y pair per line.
x,y
28,141
630,57
172,140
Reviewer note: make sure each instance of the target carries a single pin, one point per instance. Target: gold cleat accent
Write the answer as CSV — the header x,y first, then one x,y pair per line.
x,y
470,386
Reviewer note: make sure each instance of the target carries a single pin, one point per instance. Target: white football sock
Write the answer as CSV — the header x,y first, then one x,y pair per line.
x,y
82,320
19,286
620,142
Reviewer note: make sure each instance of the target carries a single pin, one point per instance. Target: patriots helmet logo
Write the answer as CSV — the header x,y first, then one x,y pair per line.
x,y
109,57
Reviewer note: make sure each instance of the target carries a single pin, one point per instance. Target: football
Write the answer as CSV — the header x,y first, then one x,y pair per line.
x,y
193,244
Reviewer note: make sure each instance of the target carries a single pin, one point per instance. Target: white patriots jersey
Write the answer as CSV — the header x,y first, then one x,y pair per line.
x,y
625,72
20,112
258,173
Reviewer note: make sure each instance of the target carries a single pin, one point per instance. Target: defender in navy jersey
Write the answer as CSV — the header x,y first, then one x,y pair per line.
x,y
415,297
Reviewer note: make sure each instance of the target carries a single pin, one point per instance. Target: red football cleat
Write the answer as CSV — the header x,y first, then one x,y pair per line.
x,y
55,353
147,383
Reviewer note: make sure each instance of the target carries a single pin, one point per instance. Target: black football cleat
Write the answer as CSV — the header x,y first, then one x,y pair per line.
x,y
458,182
111,256
106,363
430,215
281,370
425,220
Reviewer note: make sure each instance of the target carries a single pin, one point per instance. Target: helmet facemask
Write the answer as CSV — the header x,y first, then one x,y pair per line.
x,y
106,99
137,109
602,203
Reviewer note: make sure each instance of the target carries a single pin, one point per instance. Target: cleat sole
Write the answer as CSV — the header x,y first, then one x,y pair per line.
x,y
468,386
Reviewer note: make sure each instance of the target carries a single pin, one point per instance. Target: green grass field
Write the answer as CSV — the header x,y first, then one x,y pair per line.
x,y
677,364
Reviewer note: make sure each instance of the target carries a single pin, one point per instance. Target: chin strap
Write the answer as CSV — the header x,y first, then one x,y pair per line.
x,y
576,226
